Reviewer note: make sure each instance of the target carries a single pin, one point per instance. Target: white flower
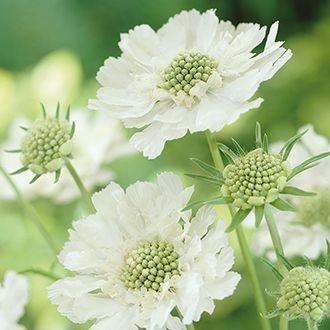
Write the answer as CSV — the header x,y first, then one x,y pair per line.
x,y
13,298
98,140
194,74
304,232
140,256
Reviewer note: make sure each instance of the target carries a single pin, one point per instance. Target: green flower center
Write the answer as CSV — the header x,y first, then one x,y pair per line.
x,y
305,291
149,265
254,179
47,141
315,209
186,70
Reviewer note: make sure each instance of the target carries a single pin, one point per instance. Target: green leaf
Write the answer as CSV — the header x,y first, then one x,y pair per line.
x,y
40,272
238,217
259,214
288,190
285,261
20,170
57,112
283,205
308,164
285,151
239,148
227,152
206,167
258,135
277,274
44,112
35,178
213,201
206,178
265,143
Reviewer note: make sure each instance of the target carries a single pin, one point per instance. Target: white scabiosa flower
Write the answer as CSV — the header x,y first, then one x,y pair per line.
x,y
304,232
140,256
194,74
13,298
98,140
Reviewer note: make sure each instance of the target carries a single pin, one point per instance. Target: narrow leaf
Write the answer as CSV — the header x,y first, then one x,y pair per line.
x,y
13,151
57,112
272,314
285,261
211,179
283,205
309,262
21,170
23,128
73,129
258,135
308,163
327,258
238,217
68,112
44,112
57,175
265,143
214,201
35,178
206,167
238,147
285,151
227,152
40,272
288,190
277,274
259,214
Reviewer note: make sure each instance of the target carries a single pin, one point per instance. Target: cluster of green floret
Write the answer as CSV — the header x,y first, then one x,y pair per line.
x,y
255,179
186,70
149,265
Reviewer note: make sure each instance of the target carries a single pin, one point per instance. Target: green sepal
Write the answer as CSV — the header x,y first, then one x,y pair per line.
x,y
238,217
283,205
259,214
57,175
35,178
23,128
73,129
206,178
214,201
44,112
238,148
258,135
286,149
272,314
308,261
327,258
288,190
68,112
207,167
230,155
13,151
285,261
273,294
57,112
308,164
277,274
265,143
20,170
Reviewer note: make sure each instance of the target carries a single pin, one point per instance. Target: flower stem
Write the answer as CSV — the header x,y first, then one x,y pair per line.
x,y
278,247
84,193
245,250
311,324
31,213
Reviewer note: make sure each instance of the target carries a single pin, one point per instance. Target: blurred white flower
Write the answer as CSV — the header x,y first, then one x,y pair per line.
x,y
303,233
194,74
13,298
98,140
140,256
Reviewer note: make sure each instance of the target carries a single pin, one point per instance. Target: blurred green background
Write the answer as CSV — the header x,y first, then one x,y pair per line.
x,y
51,50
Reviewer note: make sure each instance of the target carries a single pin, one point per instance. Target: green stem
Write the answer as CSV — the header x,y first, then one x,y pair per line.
x,y
244,247
278,247
31,213
311,324
84,193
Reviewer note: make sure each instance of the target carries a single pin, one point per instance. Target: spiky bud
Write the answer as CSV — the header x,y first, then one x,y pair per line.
x,y
305,293
255,179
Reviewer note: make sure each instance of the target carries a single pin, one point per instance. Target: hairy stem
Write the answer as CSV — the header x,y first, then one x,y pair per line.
x,y
245,250
84,193
31,213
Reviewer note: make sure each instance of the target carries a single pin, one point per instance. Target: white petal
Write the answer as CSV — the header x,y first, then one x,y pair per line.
x,y
205,216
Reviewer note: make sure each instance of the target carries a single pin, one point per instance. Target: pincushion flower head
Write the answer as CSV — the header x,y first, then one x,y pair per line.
x,y
97,141
194,74
13,298
46,145
140,256
256,179
305,231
